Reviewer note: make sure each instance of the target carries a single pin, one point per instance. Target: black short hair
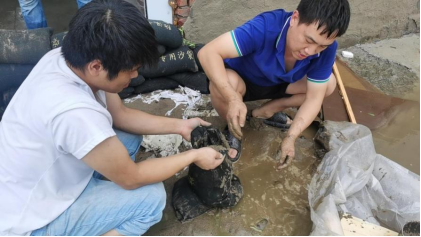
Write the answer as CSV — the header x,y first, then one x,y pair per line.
x,y
112,31
334,15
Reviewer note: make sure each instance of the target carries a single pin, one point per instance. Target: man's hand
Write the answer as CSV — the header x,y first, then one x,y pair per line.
x,y
236,117
287,152
189,125
208,158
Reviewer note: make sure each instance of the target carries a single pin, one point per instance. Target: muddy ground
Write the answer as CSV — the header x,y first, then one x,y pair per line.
x,y
276,202
370,20
278,198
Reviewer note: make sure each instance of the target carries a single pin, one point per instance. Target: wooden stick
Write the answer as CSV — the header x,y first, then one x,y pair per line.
x,y
345,96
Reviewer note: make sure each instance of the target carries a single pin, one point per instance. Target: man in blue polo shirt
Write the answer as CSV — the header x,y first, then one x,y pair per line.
x,y
283,56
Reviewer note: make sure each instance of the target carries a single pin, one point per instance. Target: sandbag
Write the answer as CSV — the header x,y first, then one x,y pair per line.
x,y
24,46
2,109
175,61
161,49
193,80
202,189
126,92
156,84
6,97
12,75
218,187
57,39
136,4
195,52
137,81
185,202
166,34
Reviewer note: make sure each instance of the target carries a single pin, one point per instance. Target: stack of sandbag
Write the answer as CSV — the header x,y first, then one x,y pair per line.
x,y
178,65
20,51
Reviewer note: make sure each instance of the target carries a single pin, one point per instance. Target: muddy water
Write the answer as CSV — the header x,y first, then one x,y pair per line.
x,y
274,202
399,139
280,197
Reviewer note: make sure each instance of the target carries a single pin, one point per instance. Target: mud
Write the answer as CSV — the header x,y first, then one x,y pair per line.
x,y
276,202
279,197
219,148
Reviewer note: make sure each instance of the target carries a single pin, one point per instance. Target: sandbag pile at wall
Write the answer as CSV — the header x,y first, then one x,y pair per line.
x,y
20,51
178,65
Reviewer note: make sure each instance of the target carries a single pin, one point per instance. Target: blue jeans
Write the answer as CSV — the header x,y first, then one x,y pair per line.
x,y
33,13
104,206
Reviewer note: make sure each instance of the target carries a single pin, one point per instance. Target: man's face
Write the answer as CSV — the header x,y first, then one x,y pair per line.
x,y
122,80
306,40
99,78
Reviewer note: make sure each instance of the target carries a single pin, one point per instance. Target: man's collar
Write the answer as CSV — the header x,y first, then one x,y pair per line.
x,y
282,36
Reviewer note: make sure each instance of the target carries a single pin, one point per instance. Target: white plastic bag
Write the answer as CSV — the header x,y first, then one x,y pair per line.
x,y
353,178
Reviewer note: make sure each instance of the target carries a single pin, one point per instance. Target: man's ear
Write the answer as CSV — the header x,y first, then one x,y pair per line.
x,y
295,18
94,68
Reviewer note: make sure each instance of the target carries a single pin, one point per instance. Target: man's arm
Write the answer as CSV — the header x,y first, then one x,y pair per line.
x,y
211,58
138,122
111,159
304,117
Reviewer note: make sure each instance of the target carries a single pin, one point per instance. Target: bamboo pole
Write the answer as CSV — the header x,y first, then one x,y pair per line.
x,y
345,96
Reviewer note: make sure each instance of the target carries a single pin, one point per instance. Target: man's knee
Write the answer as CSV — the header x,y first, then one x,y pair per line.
x,y
149,204
331,86
157,198
234,80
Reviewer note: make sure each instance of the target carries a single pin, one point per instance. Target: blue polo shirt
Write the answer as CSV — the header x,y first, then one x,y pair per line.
x,y
260,44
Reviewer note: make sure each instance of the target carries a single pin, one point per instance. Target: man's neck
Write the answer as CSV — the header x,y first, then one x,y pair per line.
x,y
288,53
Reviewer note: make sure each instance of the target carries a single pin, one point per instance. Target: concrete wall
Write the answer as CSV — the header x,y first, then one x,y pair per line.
x,y
370,20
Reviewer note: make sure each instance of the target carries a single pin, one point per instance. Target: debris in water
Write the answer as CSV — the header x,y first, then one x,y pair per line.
x,y
347,54
261,225
183,95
